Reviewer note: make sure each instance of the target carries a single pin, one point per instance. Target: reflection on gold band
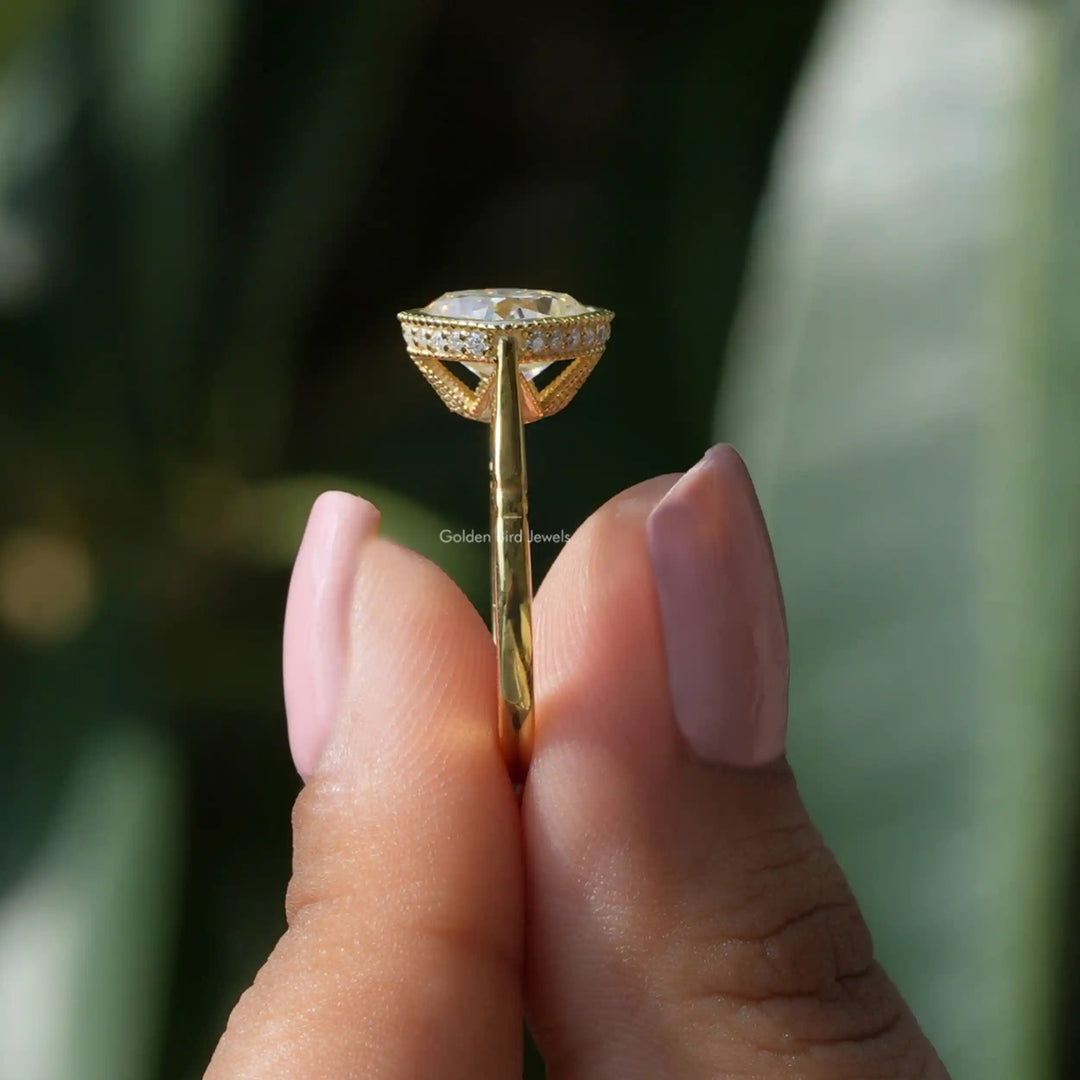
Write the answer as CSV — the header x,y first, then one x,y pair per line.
x,y
511,571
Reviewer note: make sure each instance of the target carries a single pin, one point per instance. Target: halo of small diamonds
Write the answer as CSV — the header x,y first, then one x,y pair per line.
x,y
462,330
548,339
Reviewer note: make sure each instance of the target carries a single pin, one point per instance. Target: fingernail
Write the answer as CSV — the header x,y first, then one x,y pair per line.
x,y
317,619
725,633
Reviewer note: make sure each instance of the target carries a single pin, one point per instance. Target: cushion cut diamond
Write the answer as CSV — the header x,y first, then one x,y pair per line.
x,y
505,305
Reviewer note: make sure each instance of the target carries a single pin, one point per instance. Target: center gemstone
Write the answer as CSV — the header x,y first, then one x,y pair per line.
x,y
505,305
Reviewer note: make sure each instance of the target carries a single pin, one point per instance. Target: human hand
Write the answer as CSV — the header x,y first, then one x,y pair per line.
x,y
658,905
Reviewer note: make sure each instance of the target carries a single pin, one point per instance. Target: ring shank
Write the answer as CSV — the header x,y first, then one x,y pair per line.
x,y
511,569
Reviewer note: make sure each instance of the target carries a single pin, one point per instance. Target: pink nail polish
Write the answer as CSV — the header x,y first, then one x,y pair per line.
x,y
317,619
725,633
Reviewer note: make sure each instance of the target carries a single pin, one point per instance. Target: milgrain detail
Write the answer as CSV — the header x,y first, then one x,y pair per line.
x,y
562,390
437,343
456,395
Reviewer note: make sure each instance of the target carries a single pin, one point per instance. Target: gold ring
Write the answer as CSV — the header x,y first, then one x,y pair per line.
x,y
507,357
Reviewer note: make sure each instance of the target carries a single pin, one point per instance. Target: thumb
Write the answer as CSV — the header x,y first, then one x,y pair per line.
x,y
402,954
686,918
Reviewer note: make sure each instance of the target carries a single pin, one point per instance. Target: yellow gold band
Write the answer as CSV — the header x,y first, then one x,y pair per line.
x,y
503,339
511,570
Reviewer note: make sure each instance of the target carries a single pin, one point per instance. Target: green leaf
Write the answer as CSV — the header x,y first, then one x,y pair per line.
x,y
358,67
917,466
85,934
38,108
1030,599
165,62
18,18
735,79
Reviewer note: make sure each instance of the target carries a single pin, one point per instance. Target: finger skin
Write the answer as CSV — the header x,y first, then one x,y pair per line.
x,y
403,952
685,918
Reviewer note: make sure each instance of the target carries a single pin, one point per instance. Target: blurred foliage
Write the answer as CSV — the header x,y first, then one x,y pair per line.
x,y
85,941
904,382
210,211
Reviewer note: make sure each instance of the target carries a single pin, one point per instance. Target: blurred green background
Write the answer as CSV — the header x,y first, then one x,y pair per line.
x,y
845,237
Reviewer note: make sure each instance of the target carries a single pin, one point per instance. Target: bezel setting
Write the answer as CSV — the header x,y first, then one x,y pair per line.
x,y
440,343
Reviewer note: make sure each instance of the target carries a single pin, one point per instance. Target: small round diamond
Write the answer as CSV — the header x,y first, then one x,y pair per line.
x,y
558,340
438,342
573,339
476,343
588,335
536,343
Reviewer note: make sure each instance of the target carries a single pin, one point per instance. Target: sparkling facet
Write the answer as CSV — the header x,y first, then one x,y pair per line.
x,y
458,333
504,305
471,348
484,368
476,343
